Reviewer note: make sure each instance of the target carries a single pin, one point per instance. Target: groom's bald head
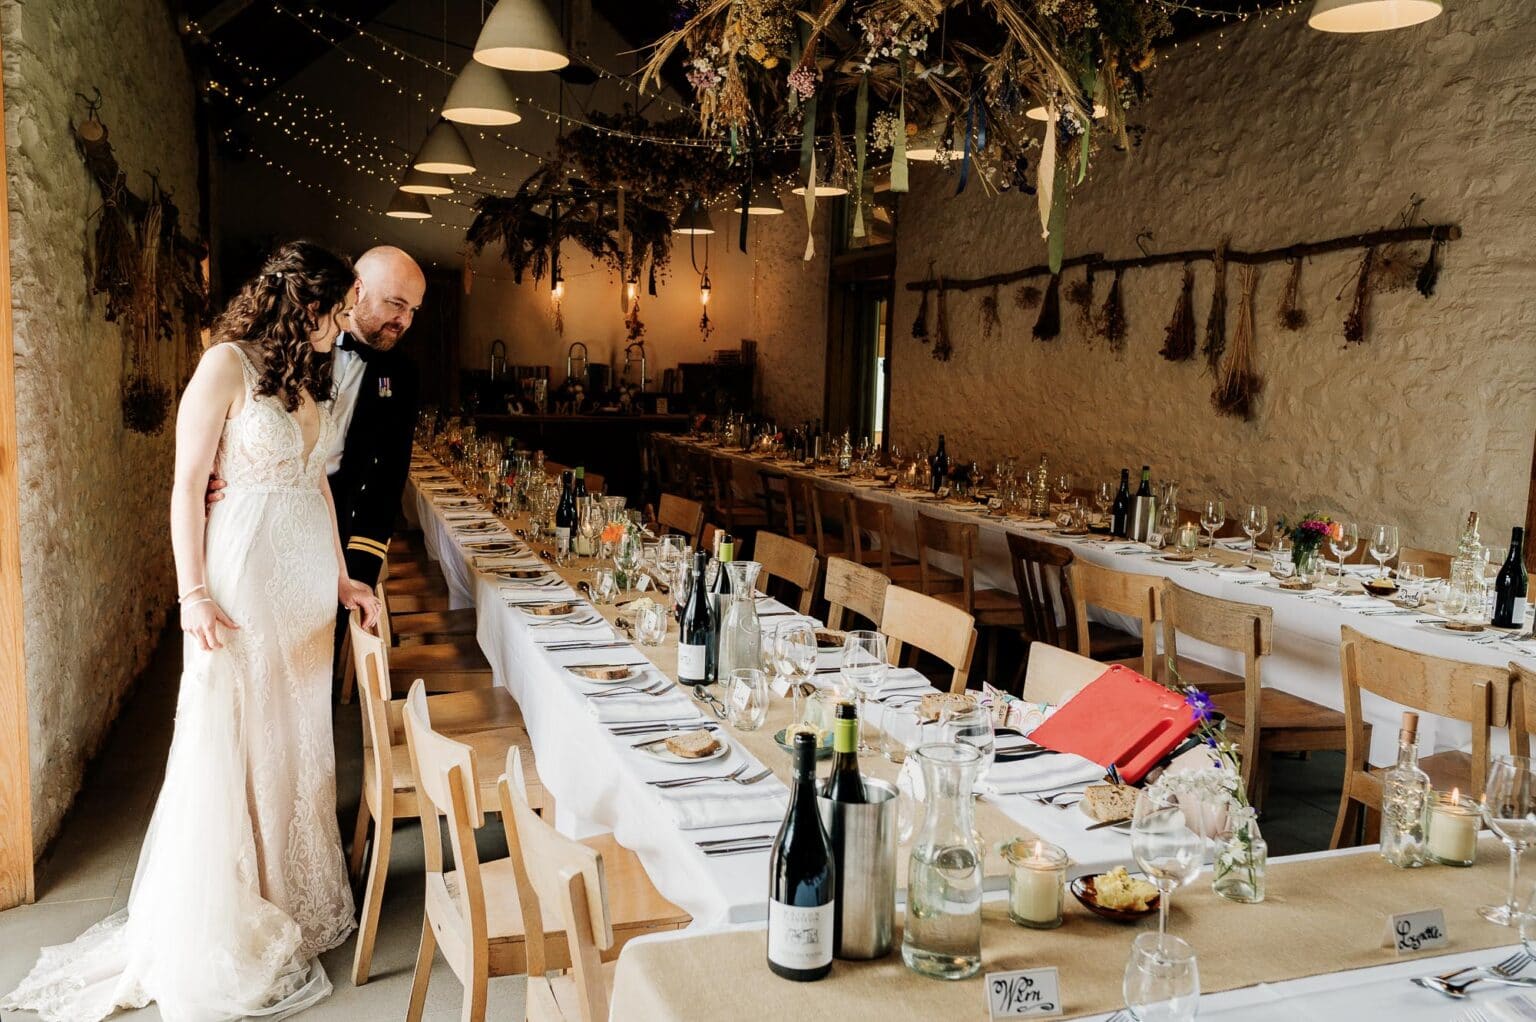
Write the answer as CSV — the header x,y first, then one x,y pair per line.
x,y
389,291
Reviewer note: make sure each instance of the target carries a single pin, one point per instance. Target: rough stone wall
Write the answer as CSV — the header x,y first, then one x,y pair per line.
x,y
96,561
1282,135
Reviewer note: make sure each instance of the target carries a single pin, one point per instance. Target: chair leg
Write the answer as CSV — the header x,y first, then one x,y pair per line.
x,y
359,838
423,974
474,994
368,924
1347,825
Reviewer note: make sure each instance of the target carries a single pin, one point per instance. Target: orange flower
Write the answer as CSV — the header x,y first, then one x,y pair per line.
x,y
613,533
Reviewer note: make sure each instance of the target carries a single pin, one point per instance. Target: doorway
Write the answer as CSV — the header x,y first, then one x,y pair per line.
x,y
858,387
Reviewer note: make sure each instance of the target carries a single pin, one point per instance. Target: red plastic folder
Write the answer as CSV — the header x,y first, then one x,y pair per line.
x,y
1119,718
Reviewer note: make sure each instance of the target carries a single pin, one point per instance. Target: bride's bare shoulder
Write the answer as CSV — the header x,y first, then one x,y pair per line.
x,y
219,378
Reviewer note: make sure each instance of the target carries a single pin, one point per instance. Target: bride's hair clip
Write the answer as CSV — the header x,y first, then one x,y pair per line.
x,y
275,278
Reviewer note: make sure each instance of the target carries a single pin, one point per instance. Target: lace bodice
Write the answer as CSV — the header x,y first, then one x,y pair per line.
x,y
263,447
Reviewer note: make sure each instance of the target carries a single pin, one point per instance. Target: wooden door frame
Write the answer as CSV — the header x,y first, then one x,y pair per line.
x,y
16,866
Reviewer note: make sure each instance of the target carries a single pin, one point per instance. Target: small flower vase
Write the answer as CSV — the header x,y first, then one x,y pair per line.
x,y
1242,856
1310,565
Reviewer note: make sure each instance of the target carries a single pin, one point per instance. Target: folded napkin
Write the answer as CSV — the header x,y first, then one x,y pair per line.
x,y
726,805
633,708
1519,1008
535,595
1042,773
904,681
499,562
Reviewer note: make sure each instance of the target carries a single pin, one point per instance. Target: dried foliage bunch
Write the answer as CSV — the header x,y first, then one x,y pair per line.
x,y
1080,296
1237,381
991,321
1292,315
1179,340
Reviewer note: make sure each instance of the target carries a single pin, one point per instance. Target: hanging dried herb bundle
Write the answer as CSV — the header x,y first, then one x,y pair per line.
x,y
116,255
1048,326
1292,315
1237,384
1216,322
1354,323
942,349
1112,317
990,320
920,321
1027,296
1080,296
1179,340
1394,269
146,401
1429,273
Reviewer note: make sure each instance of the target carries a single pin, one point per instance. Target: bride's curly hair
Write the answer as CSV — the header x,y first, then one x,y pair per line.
x,y
276,311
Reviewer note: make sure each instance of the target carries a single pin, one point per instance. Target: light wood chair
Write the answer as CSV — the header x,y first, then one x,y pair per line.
x,y
931,625
1040,573
486,720
991,609
854,587
736,500
680,515
871,526
787,514
829,520
1055,675
791,562
1436,564
1120,592
1260,720
413,628
1476,694
1522,708
454,665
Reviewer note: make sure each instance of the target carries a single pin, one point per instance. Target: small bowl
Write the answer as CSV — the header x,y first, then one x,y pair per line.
x,y
1383,587
823,750
1082,889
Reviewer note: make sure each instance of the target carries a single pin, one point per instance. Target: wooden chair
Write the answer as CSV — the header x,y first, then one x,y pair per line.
x,y
451,666
1055,675
1259,720
931,625
1040,573
436,626
595,891
991,609
788,513
788,561
872,530
1120,592
1476,694
1522,708
681,515
594,482
486,720
1436,564
742,513
854,587
829,520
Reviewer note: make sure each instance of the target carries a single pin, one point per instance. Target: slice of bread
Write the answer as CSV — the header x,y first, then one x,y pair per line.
x,y
548,609
935,703
693,744
602,673
1105,802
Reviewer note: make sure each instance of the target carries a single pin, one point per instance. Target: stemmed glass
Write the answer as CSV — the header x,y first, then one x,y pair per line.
x,y
972,727
1168,842
1212,518
1255,522
1383,546
1063,488
794,651
865,667
1509,806
1103,497
1343,540
1162,979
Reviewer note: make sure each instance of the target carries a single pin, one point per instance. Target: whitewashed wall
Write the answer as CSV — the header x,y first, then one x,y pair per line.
x,y
1282,135
96,561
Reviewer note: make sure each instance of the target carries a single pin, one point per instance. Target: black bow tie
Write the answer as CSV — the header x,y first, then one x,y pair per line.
x,y
346,342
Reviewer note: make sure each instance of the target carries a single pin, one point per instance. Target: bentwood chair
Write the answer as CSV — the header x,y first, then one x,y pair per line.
x,y
1476,694
486,720
1120,592
676,514
788,561
931,625
1041,574
855,588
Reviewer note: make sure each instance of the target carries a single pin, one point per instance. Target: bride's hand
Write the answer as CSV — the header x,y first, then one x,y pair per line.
x,y
203,618
357,596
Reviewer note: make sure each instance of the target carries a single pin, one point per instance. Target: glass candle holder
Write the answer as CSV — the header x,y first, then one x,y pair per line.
x,y
1452,828
1187,538
1037,876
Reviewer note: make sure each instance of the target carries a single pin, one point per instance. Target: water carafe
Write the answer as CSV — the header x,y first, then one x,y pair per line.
x,y
942,936
740,632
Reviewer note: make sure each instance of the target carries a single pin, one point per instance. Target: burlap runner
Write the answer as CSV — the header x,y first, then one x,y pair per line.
x,y
1321,916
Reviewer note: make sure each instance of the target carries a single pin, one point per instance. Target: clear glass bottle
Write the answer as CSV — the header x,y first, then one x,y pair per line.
x,y
1040,493
1405,797
942,935
1467,565
845,453
1242,858
741,635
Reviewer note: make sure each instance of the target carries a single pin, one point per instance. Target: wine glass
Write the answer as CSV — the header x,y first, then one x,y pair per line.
x,y
1103,497
794,651
865,667
1410,583
1063,488
1343,540
1162,979
973,727
1383,546
1509,806
1255,522
1168,843
1212,518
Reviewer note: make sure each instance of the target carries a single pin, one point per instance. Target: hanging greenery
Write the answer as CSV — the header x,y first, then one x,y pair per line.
x,y
1025,296
1112,317
1080,296
1216,322
990,320
942,348
1292,315
1179,339
920,321
1354,323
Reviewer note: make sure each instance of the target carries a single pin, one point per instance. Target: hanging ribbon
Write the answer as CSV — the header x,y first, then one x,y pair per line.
x,y
810,210
975,127
899,143
1057,226
860,148
624,257
1045,174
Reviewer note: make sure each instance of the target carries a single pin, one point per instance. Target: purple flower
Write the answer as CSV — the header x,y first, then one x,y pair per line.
x,y
1199,704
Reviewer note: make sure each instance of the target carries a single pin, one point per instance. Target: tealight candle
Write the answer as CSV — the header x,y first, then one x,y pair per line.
x,y
1187,538
1035,882
1453,830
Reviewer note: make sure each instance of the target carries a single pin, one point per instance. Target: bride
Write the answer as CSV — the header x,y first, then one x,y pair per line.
x,y
241,883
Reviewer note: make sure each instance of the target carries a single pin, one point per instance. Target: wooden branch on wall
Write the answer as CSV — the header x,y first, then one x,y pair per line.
x,y
1096,262
111,179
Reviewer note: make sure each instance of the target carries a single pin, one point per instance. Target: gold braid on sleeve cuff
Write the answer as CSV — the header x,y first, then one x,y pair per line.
x,y
363,544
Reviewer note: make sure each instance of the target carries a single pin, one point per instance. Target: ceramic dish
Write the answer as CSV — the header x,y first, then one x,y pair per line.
x,y
1463,627
1380,587
822,751
1082,889
492,548
658,748
521,574
1178,558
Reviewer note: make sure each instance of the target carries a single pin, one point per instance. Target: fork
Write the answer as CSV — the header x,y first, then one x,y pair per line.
x,y
1505,972
1051,800
656,688
1515,961
681,782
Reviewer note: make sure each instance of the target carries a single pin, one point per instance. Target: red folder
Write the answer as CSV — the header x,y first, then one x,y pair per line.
x,y
1119,718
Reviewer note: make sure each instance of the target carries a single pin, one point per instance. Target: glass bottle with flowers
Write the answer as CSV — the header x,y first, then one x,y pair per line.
x,y
1307,535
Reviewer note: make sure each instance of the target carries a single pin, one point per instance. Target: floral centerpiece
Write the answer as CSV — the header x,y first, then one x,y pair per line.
x,y
1307,536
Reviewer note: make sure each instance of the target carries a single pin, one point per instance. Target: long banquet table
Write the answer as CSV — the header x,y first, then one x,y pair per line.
x,y
1305,661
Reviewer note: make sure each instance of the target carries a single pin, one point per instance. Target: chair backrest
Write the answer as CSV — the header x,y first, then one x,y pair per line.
x,y
800,508
1243,628
379,730
707,538
1436,564
722,480
565,880
679,514
854,587
829,520
778,503
933,626
793,562
957,539
594,482
1522,708
871,519
1122,592
1055,675
1039,573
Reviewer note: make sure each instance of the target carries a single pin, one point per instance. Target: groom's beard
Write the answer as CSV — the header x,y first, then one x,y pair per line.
x,y
378,334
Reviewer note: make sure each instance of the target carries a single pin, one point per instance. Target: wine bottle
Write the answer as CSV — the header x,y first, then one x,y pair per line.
x,y
565,516
1510,588
696,631
1120,510
940,464
845,784
801,880
579,497
1143,508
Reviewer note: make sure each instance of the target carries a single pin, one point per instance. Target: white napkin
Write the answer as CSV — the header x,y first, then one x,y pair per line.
x,y
1519,1008
905,680
1042,773
628,709
702,806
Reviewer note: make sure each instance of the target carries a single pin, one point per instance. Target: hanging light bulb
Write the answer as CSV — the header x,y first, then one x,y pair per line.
x,y
444,152
764,201
557,290
408,206
481,95
1370,15
694,220
704,289
419,182
631,290
520,35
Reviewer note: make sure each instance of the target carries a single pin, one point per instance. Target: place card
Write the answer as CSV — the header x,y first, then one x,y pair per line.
x,y
1411,932
1024,993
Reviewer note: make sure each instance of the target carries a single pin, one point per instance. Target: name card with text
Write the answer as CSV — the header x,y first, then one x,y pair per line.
x,y
1410,932
1024,993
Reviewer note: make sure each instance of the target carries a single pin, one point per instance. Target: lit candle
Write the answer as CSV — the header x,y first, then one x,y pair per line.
x,y
1035,883
1453,830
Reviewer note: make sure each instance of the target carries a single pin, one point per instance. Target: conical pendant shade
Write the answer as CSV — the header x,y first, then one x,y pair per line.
x,y
444,152
694,220
520,35
408,206
764,201
1370,15
925,145
481,95
417,182
823,190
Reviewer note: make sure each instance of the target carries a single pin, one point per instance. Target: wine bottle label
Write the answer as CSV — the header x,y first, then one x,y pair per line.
x,y
1518,616
690,662
799,937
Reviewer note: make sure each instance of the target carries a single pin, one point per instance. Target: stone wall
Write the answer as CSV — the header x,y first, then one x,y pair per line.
x,y
96,559
1282,134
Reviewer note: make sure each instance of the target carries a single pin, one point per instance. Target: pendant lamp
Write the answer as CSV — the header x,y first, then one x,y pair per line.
x,y
520,35
1370,15
481,95
925,145
418,182
444,152
821,191
694,220
408,206
764,201
1038,113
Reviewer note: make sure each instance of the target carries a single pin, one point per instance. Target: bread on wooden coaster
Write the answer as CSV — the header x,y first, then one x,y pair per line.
x,y
1105,802
693,744
547,609
614,673
935,703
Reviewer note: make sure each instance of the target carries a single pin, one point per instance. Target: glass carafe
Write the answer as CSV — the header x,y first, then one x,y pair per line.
x,y
942,936
741,635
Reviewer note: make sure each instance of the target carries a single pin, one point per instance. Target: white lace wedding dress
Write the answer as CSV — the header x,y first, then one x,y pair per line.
x,y
242,881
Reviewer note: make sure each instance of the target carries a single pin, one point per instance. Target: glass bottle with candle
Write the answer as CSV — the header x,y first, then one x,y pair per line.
x,y
1405,796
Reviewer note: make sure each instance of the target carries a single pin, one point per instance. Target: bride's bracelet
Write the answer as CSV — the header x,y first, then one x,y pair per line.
x,y
200,599
183,597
